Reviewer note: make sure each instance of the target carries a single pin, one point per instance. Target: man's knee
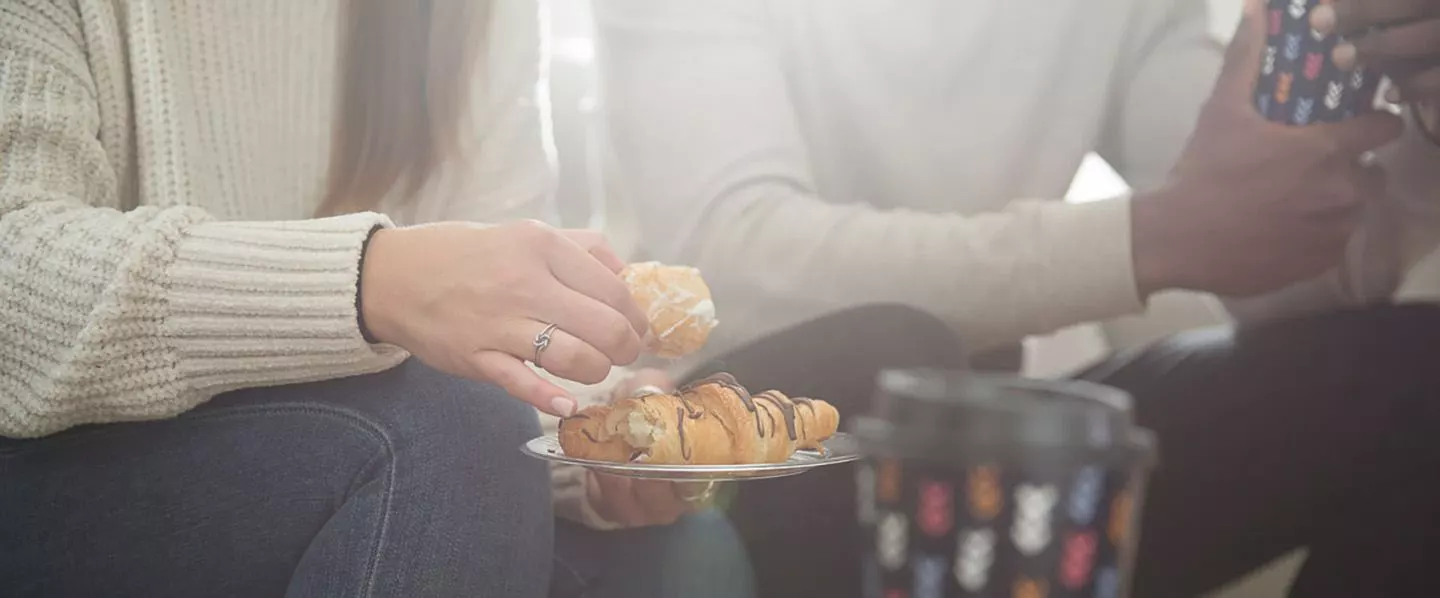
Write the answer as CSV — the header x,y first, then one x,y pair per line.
x,y
703,556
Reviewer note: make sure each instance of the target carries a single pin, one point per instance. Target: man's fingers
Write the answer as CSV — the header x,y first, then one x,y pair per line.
x,y
1245,56
511,374
1363,133
616,502
1371,181
1422,85
1399,44
1353,17
662,506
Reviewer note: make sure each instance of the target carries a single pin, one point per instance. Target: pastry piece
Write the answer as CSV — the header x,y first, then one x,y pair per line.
x,y
583,436
714,421
805,417
678,304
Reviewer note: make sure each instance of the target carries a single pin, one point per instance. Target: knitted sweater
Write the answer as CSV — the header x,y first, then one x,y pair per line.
x,y
154,242
158,163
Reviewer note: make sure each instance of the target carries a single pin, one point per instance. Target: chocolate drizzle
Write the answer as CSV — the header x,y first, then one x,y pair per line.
x,y
680,425
728,381
808,404
691,409
787,409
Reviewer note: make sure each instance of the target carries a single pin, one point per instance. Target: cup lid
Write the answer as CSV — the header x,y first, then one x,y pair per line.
x,y
955,414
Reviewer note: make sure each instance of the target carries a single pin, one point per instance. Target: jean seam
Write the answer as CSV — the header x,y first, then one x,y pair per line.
x,y
383,524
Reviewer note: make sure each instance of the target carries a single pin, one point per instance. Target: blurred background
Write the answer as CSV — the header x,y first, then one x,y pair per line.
x,y
588,198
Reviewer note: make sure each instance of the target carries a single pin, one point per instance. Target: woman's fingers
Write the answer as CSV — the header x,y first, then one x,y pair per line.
x,y
591,321
563,354
576,267
597,245
511,374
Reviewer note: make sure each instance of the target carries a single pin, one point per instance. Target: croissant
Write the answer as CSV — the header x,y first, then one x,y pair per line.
x,y
714,421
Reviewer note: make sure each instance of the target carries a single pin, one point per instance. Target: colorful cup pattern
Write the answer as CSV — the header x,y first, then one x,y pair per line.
x,y
1299,83
993,531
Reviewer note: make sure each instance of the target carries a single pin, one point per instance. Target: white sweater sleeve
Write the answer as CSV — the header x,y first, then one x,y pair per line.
x,y
709,148
110,315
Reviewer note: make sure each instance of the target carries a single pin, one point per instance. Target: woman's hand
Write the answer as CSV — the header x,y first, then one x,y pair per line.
x,y
471,300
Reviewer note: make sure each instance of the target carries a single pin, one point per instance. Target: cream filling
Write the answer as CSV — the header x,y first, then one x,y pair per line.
x,y
638,432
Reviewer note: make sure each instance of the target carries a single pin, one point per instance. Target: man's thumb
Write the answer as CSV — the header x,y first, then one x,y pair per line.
x,y
1246,54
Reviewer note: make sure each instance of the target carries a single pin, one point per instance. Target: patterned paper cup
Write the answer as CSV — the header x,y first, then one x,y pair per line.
x,y
1299,83
986,485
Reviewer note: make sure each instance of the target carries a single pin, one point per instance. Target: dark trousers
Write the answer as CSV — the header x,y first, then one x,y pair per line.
x,y
1311,433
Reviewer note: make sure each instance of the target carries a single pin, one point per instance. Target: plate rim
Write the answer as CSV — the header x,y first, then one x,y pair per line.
x,y
680,468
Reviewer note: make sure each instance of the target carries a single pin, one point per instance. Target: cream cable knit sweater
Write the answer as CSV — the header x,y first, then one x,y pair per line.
x,y
158,163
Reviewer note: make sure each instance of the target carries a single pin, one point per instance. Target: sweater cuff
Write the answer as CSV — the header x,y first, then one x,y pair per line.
x,y
269,303
1091,273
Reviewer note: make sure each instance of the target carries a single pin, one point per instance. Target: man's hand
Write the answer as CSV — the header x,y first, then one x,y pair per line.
x,y
1400,38
639,503
1253,206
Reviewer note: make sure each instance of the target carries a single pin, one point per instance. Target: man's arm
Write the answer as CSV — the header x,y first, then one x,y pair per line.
x,y
1171,63
712,154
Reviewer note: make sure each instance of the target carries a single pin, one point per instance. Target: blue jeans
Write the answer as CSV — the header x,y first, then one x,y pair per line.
x,y
405,483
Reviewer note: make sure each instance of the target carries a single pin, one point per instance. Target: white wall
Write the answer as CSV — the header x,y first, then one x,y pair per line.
x,y
1223,16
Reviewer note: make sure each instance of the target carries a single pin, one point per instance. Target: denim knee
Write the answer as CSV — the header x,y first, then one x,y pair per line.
x,y
456,432
454,425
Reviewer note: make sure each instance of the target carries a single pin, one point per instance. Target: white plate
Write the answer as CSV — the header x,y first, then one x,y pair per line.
x,y
840,448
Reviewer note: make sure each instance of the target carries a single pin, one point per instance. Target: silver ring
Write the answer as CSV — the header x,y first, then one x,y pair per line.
x,y
542,342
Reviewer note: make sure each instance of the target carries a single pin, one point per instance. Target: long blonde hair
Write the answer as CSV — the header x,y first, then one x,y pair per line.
x,y
408,67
